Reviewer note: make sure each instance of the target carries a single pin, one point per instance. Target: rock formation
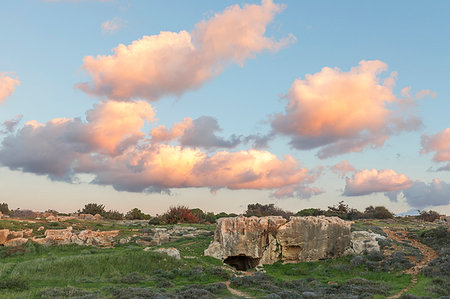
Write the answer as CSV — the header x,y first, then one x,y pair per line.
x,y
59,237
363,241
246,242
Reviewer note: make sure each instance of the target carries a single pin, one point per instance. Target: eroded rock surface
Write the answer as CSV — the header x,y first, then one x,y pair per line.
x,y
363,241
246,242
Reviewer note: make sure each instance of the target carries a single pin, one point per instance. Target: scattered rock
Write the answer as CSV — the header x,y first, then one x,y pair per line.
x,y
15,242
171,251
3,235
363,241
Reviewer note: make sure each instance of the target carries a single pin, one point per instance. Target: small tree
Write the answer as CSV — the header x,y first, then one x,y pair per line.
x,y
93,209
4,208
180,214
429,216
136,214
343,211
379,212
113,215
260,210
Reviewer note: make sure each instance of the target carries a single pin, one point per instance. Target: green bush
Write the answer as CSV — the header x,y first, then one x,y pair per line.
x,y
15,283
113,215
93,209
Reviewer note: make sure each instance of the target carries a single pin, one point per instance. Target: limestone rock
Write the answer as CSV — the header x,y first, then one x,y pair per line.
x,y
173,252
363,241
16,242
246,242
3,235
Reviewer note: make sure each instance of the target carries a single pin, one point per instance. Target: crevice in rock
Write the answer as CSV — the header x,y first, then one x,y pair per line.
x,y
242,262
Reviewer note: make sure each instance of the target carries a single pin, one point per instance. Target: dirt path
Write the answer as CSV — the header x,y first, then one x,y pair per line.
x,y
429,254
236,292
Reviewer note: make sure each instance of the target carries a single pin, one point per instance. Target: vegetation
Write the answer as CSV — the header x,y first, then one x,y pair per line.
x,y
260,210
429,216
136,214
4,209
113,215
180,214
93,209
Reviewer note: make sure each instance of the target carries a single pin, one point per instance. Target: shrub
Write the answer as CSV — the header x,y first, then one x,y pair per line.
x,y
113,215
53,212
429,216
260,210
157,220
379,212
343,211
4,209
136,214
310,212
67,292
93,209
131,293
180,214
18,213
133,278
16,284
221,215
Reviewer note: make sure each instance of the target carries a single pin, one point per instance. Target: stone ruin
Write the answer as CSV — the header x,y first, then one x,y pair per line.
x,y
247,242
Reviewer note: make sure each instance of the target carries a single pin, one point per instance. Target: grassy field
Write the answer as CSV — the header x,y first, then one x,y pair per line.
x,y
127,271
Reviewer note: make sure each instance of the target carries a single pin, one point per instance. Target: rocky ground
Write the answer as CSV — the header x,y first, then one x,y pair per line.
x,y
132,259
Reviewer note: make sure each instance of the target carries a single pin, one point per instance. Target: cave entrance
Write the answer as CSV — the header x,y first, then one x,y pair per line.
x,y
242,262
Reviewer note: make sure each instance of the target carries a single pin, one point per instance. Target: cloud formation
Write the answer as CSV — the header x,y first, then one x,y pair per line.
x,y
421,195
371,181
342,112
438,143
111,146
53,148
171,63
10,125
342,168
111,26
7,86
200,132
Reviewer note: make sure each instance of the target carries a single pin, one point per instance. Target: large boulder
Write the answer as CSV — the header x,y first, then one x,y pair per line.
x,y
3,235
16,242
364,241
245,242
171,251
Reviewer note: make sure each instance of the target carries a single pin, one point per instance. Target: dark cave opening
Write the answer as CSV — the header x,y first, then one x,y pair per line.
x,y
242,262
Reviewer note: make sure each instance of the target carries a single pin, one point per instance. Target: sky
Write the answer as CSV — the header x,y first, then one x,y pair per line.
x,y
219,104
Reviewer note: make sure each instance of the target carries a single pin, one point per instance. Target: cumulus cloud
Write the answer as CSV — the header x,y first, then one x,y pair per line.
x,y
341,112
7,86
421,195
171,63
342,168
440,145
10,125
111,146
200,132
111,26
54,148
371,181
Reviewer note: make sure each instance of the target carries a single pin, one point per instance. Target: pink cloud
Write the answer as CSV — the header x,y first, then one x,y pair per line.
x,y
342,168
341,112
111,146
438,143
111,26
7,86
200,132
371,181
171,63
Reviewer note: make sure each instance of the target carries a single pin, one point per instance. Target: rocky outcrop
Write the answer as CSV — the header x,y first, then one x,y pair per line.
x,y
364,241
59,237
245,242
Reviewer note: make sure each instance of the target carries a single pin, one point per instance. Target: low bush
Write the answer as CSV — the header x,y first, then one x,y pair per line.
x,y
67,292
14,283
180,214
260,210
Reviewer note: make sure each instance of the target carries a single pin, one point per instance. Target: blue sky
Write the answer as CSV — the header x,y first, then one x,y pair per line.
x,y
44,43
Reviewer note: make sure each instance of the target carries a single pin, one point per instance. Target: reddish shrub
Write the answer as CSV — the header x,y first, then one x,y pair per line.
x,y
180,214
